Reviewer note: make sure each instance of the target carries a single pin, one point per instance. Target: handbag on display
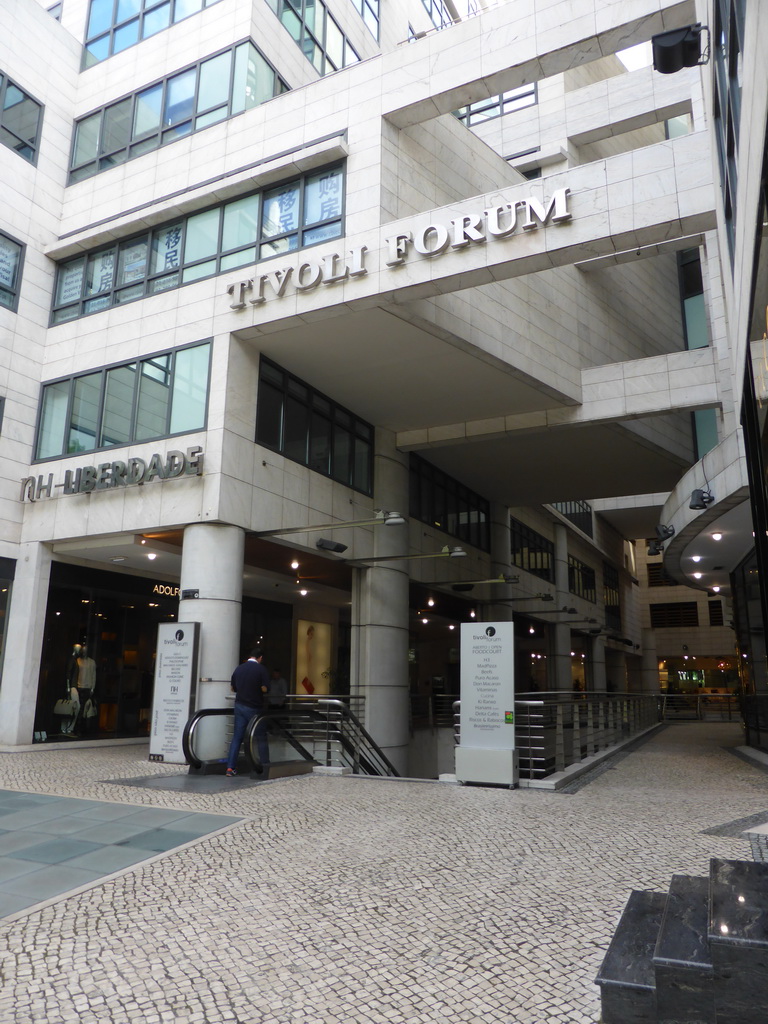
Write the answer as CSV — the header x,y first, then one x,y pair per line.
x,y
91,708
64,707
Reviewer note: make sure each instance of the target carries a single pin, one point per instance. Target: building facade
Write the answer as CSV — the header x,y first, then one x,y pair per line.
x,y
280,278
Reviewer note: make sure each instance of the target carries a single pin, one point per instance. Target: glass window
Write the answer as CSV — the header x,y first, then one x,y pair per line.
x,y
112,27
206,243
308,427
53,419
118,405
10,270
190,388
84,417
188,101
154,397
20,118
317,34
71,410
202,235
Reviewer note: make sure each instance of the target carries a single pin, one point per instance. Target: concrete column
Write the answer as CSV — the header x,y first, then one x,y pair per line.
x,y
598,676
24,642
649,663
562,678
380,614
501,565
212,564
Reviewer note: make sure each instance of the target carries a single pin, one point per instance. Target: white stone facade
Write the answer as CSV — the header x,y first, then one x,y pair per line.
x,y
536,365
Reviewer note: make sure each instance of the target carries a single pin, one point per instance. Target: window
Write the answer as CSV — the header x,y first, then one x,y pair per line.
x,y
307,427
114,25
369,12
727,47
299,213
316,33
55,11
531,551
439,500
577,512
20,118
11,261
581,579
716,613
658,576
213,90
438,13
611,600
683,615
156,396
497,106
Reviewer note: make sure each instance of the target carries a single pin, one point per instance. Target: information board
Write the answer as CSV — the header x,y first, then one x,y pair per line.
x,y
174,693
488,685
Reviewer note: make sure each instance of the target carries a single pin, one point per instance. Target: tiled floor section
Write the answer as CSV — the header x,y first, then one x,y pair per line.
x,y
355,901
52,844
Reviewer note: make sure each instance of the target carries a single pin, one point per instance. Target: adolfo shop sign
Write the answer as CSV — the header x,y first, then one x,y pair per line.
x,y
108,475
496,223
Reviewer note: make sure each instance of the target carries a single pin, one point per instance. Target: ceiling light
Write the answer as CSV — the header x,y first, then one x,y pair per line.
x,y
431,602
695,558
451,627
294,564
697,575
715,590
472,614
151,556
303,592
717,536
425,621
118,558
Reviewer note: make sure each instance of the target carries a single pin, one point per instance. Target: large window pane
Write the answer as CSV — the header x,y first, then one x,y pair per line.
x,y
127,9
154,397
69,286
101,268
87,139
53,419
100,18
180,97
190,389
166,248
320,445
118,405
184,8
334,43
10,256
213,89
155,20
241,223
146,116
322,198
202,236
132,262
84,417
20,113
295,430
269,416
117,126
281,210
126,36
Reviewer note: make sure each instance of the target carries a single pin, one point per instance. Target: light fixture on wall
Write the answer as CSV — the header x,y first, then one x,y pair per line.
x,y
700,499
664,532
380,518
330,545
444,552
679,48
655,547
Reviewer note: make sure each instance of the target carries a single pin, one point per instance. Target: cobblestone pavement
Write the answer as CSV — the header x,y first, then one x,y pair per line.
x,y
362,901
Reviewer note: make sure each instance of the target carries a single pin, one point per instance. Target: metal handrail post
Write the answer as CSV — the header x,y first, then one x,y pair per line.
x,y
559,740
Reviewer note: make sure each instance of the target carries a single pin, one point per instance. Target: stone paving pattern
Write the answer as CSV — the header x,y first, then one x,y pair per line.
x,y
367,901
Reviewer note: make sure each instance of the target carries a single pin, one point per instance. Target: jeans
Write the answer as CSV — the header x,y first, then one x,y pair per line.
x,y
243,715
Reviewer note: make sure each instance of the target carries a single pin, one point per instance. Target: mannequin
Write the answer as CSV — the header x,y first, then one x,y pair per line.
x,y
86,685
68,725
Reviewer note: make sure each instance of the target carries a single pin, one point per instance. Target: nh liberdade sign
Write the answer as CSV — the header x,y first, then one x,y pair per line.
x,y
430,241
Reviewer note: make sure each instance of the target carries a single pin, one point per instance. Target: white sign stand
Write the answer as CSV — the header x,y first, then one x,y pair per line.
x,y
486,753
174,693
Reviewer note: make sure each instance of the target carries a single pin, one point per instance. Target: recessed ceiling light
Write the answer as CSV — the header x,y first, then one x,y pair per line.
x,y
695,558
717,536
118,558
715,590
294,564
151,556
697,575
303,593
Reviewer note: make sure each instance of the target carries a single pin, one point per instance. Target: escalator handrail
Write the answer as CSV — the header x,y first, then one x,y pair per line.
x,y
274,716
187,737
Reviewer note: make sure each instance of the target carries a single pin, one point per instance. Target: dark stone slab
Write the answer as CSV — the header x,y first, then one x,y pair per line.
x,y
738,940
626,978
683,965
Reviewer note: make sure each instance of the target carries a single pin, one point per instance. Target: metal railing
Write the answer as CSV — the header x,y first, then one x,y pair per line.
x,y
701,707
556,729
318,730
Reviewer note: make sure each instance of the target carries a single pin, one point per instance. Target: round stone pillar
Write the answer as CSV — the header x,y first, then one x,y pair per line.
x,y
212,565
380,614
563,677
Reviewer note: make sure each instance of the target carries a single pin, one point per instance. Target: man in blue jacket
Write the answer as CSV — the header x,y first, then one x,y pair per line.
x,y
250,684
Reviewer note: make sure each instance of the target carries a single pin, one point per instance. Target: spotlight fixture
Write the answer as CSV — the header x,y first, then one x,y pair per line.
x,y
294,564
664,532
330,545
680,48
655,548
701,499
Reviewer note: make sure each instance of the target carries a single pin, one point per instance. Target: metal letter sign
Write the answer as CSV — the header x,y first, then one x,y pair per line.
x,y
486,751
175,679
